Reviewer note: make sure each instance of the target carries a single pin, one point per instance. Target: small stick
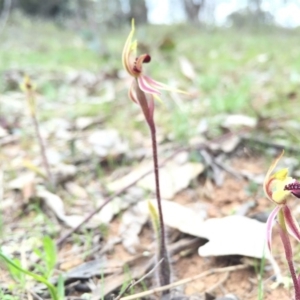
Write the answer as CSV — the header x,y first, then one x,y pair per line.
x,y
133,282
222,280
184,281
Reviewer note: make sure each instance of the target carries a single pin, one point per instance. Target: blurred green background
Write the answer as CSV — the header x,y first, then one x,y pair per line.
x,y
238,57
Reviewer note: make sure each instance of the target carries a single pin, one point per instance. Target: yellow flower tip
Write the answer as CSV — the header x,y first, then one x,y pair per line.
x,y
27,85
280,196
269,179
281,174
274,164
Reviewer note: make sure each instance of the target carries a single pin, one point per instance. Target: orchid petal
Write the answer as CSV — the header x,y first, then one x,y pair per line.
x,y
132,94
145,87
161,86
128,48
286,243
269,225
268,179
291,223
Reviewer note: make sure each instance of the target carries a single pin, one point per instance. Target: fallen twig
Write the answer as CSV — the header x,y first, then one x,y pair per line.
x,y
133,282
222,280
184,281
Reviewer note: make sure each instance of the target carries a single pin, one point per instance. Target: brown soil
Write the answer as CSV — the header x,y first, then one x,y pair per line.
x,y
220,202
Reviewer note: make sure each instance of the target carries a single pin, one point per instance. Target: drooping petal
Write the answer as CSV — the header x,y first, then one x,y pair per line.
x,y
129,47
286,243
161,86
145,87
132,93
269,179
269,224
291,223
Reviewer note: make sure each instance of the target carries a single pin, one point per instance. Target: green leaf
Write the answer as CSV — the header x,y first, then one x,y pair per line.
x,y
50,254
60,288
12,264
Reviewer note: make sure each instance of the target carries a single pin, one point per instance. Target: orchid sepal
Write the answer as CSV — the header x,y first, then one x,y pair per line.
x,y
269,225
291,223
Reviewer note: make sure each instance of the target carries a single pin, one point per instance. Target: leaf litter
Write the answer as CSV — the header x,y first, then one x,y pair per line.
x,y
119,237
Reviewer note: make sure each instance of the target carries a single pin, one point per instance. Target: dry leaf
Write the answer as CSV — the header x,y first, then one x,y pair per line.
x,y
107,142
234,235
173,178
132,222
185,219
55,203
234,121
187,68
177,216
76,190
26,184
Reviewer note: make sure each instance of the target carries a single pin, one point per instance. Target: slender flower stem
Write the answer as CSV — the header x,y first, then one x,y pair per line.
x,y
289,257
164,274
42,149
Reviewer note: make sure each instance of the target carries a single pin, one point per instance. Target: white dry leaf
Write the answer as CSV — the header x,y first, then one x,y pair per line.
x,y
230,143
21,181
107,142
185,219
76,190
238,120
174,177
177,216
63,172
25,183
111,209
187,68
131,225
233,235
3,132
56,204
129,178
81,123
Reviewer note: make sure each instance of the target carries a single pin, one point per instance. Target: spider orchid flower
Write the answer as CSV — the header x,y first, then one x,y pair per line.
x,y
133,64
278,187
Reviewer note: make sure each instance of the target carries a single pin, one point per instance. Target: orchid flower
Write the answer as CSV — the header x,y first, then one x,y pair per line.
x,y
133,64
278,187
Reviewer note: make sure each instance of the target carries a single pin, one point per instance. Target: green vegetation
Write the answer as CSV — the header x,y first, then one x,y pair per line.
x,y
242,72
